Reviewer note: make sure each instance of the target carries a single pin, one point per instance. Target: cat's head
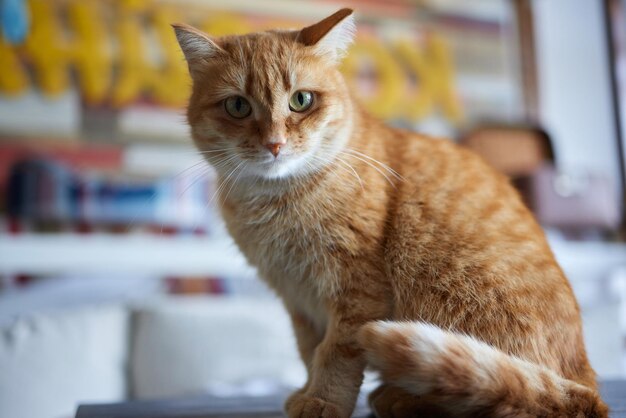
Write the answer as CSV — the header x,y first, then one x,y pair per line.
x,y
270,104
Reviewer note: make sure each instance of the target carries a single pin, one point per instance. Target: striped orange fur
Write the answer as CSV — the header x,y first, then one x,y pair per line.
x,y
353,222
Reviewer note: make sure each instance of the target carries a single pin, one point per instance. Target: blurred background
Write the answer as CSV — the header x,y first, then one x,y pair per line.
x,y
117,280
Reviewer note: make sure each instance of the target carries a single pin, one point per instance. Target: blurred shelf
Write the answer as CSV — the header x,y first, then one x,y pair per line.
x,y
197,255
147,254
130,161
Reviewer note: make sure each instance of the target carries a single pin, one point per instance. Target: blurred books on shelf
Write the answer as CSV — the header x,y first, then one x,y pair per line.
x,y
44,192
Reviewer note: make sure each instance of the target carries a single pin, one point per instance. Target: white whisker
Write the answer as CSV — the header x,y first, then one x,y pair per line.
x,y
243,166
382,173
386,167
224,182
196,178
334,169
353,171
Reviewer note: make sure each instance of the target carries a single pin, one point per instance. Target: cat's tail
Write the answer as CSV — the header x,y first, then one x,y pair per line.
x,y
469,377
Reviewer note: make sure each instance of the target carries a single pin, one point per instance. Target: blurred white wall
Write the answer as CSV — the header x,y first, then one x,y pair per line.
x,y
574,82
576,109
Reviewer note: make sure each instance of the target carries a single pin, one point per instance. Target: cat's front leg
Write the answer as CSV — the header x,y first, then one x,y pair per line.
x,y
334,380
307,338
337,368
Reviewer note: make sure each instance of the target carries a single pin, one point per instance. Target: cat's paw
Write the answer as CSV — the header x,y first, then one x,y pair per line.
x,y
293,397
392,402
300,405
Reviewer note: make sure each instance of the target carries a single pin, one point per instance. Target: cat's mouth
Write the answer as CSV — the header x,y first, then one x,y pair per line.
x,y
269,166
267,160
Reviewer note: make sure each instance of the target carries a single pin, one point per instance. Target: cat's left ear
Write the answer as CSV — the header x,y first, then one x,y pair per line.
x,y
331,36
197,46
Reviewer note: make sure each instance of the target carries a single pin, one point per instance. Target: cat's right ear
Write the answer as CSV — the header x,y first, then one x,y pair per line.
x,y
331,36
197,46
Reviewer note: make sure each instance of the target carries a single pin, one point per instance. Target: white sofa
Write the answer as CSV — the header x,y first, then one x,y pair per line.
x,y
170,347
174,347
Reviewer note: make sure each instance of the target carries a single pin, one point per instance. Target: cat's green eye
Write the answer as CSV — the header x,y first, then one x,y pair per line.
x,y
301,101
237,107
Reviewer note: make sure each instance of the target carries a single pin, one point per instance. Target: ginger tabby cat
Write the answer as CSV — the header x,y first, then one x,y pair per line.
x,y
387,248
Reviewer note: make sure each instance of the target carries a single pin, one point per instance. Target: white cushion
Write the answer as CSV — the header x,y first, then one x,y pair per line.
x,y
190,345
49,364
602,339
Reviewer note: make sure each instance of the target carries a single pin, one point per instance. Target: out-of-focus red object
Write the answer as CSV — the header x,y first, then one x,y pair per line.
x,y
92,156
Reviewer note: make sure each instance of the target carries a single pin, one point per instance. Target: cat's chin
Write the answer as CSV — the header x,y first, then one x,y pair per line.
x,y
279,168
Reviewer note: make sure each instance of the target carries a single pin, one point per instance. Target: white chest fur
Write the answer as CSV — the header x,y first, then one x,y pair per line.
x,y
290,248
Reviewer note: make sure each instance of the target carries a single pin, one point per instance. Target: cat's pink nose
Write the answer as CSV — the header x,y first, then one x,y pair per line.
x,y
274,147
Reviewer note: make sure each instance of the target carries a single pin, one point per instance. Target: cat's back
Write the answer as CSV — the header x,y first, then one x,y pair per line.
x,y
453,208
465,253
452,188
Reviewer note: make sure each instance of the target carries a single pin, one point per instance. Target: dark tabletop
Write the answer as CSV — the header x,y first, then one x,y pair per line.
x,y
613,392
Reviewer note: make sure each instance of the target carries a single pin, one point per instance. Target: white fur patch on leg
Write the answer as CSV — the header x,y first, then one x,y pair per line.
x,y
465,374
404,352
